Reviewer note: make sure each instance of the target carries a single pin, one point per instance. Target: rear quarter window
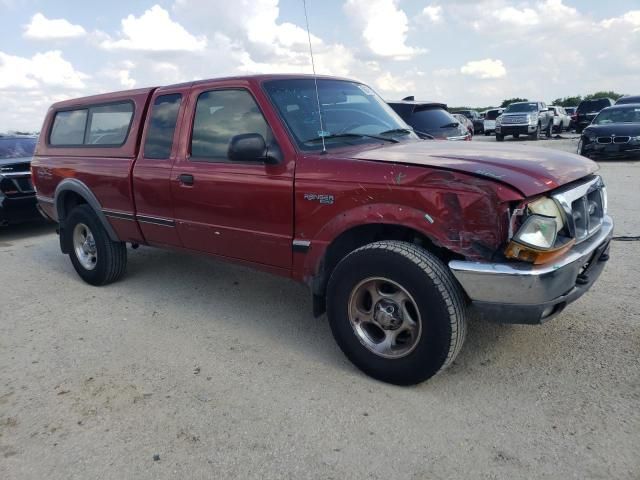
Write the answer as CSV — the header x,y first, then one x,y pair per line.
x,y
100,125
68,127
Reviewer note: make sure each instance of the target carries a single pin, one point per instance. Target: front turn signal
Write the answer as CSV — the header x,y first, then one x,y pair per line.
x,y
525,253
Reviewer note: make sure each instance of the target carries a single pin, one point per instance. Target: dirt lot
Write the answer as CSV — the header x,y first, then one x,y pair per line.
x,y
224,373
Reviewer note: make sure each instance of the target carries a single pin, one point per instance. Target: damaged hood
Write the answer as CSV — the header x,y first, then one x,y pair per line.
x,y
528,169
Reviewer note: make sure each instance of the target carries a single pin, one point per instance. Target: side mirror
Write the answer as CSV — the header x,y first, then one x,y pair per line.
x,y
248,147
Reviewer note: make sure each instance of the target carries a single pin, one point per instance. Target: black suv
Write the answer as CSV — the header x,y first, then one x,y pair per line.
x,y
587,111
17,195
431,120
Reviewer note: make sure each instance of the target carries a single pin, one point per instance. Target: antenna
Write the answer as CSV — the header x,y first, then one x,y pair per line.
x,y
315,78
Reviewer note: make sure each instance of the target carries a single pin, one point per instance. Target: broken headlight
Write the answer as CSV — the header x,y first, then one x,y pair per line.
x,y
538,239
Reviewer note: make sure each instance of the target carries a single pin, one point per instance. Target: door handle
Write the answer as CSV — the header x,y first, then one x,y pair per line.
x,y
185,179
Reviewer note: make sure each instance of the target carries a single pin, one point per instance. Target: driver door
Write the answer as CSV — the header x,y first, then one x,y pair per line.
x,y
235,209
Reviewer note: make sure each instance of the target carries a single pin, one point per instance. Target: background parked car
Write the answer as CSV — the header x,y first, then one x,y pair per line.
x,y
588,109
17,196
561,120
628,99
478,122
615,132
431,118
524,118
571,111
465,121
490,120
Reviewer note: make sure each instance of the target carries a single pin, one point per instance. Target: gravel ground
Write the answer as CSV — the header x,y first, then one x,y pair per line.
x,y
222,372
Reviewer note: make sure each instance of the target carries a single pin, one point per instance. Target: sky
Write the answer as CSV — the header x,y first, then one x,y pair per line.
x,y
460,52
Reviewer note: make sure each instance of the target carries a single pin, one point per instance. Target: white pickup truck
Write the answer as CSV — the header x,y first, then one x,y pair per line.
x,y
525,118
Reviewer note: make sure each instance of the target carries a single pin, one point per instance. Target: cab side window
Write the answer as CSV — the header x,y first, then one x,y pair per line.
x,y
162,126
221,115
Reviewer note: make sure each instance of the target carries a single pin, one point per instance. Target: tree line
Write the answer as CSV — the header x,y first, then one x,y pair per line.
x,y
572,101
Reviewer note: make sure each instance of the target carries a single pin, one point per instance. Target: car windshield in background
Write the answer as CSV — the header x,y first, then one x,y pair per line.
x,y
521,107
11,147
492,114
627,100
618,115
593,105
351,112
432,119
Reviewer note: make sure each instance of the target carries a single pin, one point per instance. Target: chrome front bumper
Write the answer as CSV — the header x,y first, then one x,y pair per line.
x,y
520,292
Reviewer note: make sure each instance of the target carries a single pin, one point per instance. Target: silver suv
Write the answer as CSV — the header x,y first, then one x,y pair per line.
x,y
525,118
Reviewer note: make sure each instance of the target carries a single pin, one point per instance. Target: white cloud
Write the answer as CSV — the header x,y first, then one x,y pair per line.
x,y
154,30
47,68
432,13
43,28
389,83
631,18
484,69
512,15
384,27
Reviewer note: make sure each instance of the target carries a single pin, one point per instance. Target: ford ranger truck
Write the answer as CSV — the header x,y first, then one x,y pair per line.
x,y
525,118
400,240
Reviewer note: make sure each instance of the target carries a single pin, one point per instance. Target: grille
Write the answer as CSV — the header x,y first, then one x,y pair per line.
x,y
15,167
606,140
16,186
584,206
513,119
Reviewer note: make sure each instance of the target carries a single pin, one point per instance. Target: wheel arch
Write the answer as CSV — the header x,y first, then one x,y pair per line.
x,y
319,268
72,192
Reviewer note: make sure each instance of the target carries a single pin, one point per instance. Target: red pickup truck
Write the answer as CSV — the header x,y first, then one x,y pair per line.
x,y
400,240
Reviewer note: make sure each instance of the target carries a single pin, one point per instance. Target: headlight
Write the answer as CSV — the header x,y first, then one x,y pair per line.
x,y
537,241
499,121
549,208
592,138
538,231
533,119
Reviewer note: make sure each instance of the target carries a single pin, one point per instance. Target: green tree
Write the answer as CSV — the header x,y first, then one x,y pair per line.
x,y
505,103
604,94
567,101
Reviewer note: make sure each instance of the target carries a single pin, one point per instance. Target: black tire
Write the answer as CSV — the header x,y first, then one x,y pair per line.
x,y
536,135
516,135
549,131
438,299
499,137
111,257
579,130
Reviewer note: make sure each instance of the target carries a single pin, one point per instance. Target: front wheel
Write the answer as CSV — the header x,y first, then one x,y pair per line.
x,y
499,137
536,134
96,258
396,312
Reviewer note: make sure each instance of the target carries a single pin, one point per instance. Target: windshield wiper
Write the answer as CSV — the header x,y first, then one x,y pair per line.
x,y
404,131
424,135
351,135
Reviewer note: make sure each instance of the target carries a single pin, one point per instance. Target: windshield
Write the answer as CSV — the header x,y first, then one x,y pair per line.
x,y
618,115
627,100
17,147
351,112
521,107
593,105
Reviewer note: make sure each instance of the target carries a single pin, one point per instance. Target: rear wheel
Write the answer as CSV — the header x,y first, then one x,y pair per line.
x,y
516,135
396,312
97,259
549,131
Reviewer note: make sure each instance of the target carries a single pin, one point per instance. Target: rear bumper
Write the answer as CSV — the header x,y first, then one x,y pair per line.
x,y
523,293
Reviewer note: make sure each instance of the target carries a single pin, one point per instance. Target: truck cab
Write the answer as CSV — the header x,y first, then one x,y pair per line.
x,y
400,240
